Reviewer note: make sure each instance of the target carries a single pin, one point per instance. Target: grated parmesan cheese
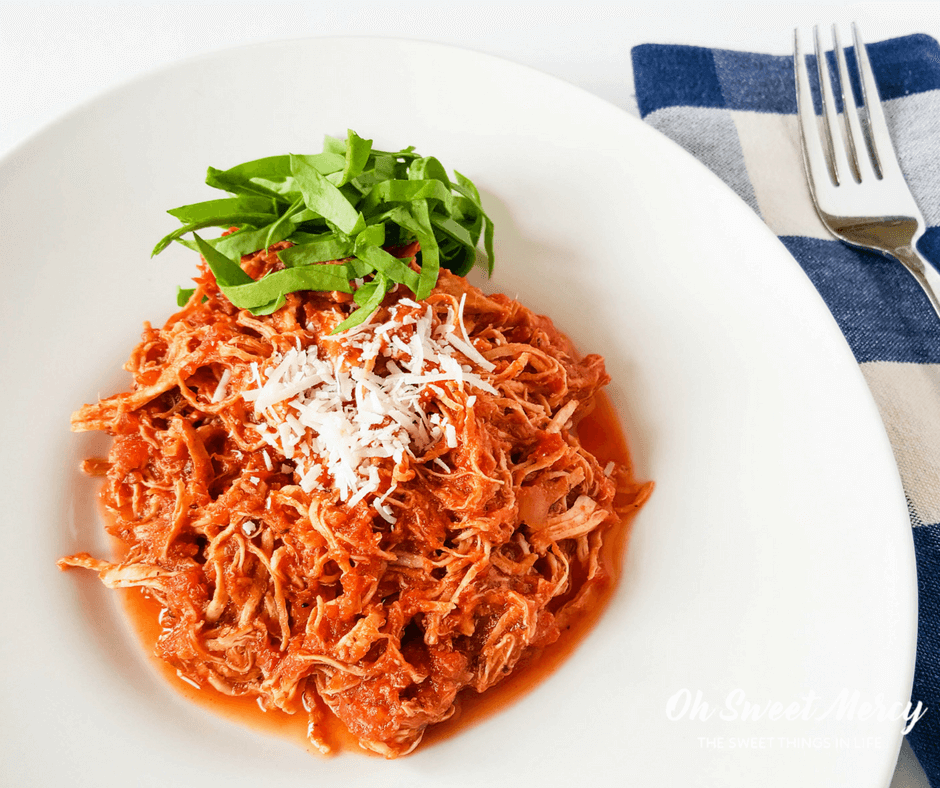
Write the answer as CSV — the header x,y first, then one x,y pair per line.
x,y
187,679
222,389
328,411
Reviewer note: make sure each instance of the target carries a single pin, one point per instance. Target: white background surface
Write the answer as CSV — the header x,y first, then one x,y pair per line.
x,y
54,57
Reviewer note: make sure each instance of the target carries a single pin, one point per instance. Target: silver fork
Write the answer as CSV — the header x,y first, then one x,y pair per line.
x,y
857,185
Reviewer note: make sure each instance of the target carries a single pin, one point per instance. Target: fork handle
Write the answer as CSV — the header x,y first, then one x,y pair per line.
x,y
925,274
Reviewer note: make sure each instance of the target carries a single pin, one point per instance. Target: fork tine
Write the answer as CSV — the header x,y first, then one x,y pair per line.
x,y
882,147
814,157
858,150
840,162
878,215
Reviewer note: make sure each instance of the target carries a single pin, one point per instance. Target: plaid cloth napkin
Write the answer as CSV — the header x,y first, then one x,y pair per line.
x,y
736,112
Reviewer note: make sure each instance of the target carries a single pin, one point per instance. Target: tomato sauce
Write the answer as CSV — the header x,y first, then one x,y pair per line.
x,y
601,434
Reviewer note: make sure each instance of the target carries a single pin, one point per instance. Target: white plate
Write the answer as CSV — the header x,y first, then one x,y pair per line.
x,y
775,556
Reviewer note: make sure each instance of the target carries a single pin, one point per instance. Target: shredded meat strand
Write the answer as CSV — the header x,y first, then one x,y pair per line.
x,y
308,604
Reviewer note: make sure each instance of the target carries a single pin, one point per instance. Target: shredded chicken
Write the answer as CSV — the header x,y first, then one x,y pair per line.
x,y
315,606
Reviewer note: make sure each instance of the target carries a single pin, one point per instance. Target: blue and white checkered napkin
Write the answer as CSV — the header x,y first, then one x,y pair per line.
x,y
736,112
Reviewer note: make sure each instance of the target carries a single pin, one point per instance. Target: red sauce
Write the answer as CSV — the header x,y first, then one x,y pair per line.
x,y
601,434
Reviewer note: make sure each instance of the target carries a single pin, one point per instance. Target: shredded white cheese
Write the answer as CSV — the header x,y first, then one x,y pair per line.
x,y
222,389
327,410
187,680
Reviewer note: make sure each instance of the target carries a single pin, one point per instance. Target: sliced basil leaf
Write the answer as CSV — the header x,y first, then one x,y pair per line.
x,y
226,220
430,258
241,179
334,146
456,231
408,191
488,244
392,267
369,297
457,258
183,294
272,286
415,219
281,225
326,162
406,154
428,168
227,272
323,197
358,151
241,243
306,215
201,211
382,168
358,268
466,187
373,234
329,246
268,309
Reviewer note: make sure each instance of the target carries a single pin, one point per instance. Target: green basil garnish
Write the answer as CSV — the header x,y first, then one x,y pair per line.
x,y
342,209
